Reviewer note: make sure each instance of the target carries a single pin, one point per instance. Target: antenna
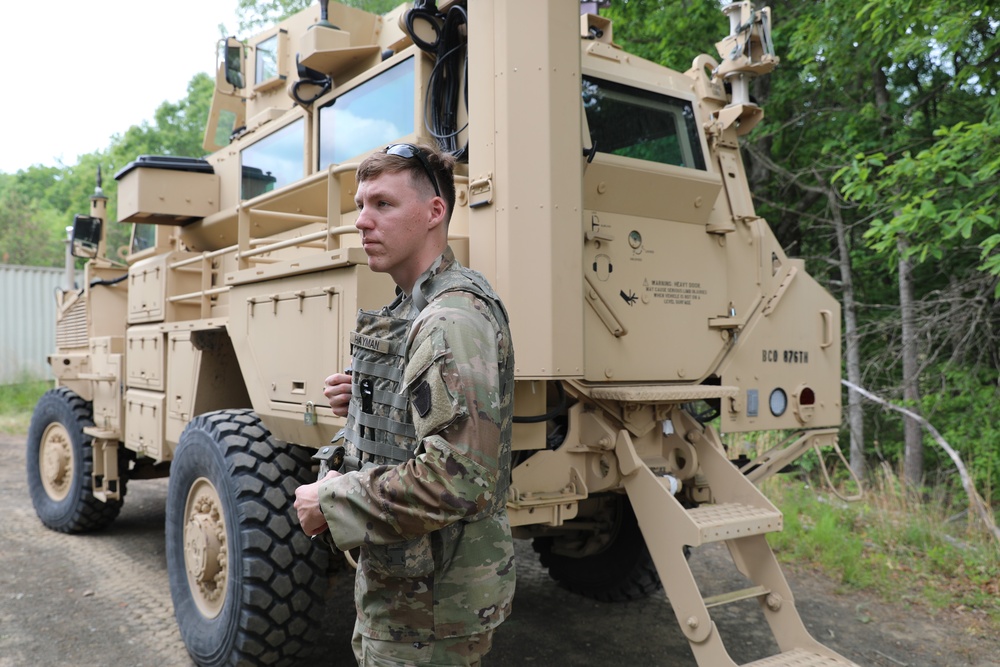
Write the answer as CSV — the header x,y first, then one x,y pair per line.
x,y
99,191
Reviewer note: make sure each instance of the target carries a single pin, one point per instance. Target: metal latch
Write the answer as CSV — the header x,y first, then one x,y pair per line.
x,y
481,191
598,232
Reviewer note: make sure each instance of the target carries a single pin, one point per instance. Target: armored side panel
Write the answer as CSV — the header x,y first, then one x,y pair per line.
x,y
525,175
308,318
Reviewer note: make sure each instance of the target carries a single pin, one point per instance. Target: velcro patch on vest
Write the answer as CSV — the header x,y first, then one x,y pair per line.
x,y
424,381
422,398
370,343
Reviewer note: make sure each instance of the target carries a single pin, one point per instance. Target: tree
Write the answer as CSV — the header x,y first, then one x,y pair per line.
x,y
177,127
254,15
24,235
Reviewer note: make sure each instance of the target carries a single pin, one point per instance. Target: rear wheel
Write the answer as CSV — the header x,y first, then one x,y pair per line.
x,y
621,569
60,464
247,584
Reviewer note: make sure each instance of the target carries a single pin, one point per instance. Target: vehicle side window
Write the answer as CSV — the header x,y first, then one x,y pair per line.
x,y
637,123
274,161
143,236
373,114
267,60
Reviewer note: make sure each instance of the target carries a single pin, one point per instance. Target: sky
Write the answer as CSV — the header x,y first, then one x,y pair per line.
x,y
80,71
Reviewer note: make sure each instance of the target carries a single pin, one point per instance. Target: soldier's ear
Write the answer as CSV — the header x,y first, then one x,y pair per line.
x,y
438,212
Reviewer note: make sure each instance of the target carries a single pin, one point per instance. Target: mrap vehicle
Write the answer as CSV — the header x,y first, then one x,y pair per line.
x,y
603,196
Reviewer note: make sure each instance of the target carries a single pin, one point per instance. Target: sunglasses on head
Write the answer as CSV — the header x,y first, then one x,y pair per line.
x,y
408,151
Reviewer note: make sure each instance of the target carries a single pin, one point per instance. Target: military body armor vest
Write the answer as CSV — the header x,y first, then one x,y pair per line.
x,y
379,426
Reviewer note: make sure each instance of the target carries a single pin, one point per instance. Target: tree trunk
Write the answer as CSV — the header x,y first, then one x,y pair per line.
x,y
975,500
855,416
913,453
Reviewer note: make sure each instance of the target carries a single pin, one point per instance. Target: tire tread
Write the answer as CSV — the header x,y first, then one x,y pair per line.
x,y
89,512
276,627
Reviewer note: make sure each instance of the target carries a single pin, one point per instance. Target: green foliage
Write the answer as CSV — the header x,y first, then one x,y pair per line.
x,y
253,15
832,540
177,127
891,544
974,395
27,234
667,32
256,15
38,203
16,404
943,196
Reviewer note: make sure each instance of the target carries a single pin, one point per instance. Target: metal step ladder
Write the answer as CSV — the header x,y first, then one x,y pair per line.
x,y
741,517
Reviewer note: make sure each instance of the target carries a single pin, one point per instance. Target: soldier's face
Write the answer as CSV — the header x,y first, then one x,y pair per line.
x,y
399,224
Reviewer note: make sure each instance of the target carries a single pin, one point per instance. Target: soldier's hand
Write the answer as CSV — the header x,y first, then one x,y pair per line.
x,y
337,389
311,516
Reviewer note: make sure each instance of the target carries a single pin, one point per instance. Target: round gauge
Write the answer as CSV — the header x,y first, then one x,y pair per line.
x,y
778,402
635,239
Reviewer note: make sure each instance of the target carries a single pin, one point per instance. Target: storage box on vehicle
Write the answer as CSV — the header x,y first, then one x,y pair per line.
x,y
168,190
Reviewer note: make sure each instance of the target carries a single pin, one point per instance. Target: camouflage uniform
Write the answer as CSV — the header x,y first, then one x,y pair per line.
x,y
430,418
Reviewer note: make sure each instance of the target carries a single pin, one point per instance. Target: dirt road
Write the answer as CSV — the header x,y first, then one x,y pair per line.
x,y
103,599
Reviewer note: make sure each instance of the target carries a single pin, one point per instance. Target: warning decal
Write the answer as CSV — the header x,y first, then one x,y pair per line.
x,y
675,292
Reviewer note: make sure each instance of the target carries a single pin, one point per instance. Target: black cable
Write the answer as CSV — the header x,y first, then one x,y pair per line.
x,y
101,281
310,77
446,82
441,109
323,84
430,15
559,409
712,411
451,69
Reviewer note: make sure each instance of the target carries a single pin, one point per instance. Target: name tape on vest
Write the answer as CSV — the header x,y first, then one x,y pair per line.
x,y
370,343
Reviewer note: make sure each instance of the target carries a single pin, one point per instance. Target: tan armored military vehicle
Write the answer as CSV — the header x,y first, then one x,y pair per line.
x,y
602,195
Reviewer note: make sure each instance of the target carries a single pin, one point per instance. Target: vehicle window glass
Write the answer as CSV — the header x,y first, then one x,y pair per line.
x,y
223,129
374,113
274,161
641,124
143,236
267,60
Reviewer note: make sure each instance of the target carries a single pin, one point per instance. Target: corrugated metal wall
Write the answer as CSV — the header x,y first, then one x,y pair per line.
x,y
27,320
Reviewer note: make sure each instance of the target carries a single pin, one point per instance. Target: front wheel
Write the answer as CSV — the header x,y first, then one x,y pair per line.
x,y
60,462
619,571
247,584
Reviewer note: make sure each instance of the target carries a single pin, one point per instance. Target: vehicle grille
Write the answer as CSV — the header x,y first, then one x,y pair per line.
x,y
71,330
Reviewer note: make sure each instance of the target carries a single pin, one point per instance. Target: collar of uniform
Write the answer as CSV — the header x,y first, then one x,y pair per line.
x,y
443,262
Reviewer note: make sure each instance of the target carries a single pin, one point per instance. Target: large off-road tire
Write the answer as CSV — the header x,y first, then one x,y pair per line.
x,y
623,570
60,464
247,584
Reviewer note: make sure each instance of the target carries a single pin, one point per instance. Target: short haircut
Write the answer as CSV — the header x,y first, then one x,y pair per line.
x,y
441,164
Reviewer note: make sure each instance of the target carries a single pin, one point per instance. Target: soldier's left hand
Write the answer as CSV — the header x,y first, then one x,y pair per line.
x,y
311,516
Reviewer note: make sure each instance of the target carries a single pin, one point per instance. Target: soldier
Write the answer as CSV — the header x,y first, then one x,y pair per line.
x,y
429,407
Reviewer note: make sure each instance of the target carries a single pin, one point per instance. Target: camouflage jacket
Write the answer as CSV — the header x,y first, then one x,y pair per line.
x,y
437,558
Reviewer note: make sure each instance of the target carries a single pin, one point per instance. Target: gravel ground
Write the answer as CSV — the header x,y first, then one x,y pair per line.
x,y
103,599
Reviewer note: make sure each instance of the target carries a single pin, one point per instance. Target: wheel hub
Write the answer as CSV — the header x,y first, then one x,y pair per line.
x,y
56,461
205,554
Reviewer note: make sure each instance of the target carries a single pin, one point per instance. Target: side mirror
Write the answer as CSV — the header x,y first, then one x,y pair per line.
x,y
86,236
234,63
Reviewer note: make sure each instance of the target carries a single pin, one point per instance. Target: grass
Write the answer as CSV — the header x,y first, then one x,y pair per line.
x,y
16,403
921,550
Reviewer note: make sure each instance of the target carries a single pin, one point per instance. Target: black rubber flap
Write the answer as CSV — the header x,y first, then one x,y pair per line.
x,y
192,164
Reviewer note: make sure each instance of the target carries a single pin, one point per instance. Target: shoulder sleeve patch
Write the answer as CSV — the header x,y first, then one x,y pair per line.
x,y
422,398
434,404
